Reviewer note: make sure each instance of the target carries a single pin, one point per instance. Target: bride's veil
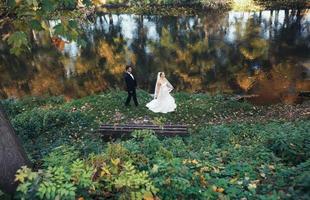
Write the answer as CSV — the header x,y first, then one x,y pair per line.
x,y
156,89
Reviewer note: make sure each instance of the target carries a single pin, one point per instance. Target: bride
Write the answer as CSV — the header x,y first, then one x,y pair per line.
x,y
163,102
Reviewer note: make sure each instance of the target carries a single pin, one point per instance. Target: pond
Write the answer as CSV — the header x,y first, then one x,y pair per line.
x,y
266,53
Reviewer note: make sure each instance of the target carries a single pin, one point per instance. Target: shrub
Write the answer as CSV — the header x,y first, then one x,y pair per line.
x,y
295,178
120,180
100,176
66,153
142,134
14,107
61,182
223,161
42,130
4,196
34,123
290,143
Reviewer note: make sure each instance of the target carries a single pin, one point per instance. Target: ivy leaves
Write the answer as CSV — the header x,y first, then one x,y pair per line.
x,y
11,3
33,15
33,3
48,5
68,29
36,25
19,42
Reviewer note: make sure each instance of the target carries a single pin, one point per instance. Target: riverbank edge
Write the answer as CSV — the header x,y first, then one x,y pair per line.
x,y
267,5
193,9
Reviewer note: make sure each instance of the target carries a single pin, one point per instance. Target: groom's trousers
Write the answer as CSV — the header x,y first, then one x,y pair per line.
x,y
132,94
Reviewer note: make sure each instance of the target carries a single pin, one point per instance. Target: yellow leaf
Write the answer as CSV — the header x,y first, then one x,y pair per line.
x,y
220,190
116,161
252,186
20,177
105,171
214,188
148,196
263,175
203,181
195,161
217,189
233,180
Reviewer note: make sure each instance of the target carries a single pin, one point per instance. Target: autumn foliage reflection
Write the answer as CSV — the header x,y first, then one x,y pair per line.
x,y
233,52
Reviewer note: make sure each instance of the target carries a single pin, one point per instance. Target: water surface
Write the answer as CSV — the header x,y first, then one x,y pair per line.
x,y
265,53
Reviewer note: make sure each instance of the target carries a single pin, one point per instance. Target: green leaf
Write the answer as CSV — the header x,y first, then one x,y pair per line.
x,y
69,3
73,24
48,5
18,41
87,2
81,42
60,29
36,25
33,3
11,3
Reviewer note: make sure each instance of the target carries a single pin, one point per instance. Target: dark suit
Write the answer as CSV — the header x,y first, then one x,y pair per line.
x,y
131,85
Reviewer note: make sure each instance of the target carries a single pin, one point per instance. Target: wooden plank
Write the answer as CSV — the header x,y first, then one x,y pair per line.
x,y
304,93
130,131
182,125
141,128
146,126
137,125
110,131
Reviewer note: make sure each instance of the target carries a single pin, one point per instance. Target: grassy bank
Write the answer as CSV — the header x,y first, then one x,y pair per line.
x,y
193,109
202,3
236,150
175,3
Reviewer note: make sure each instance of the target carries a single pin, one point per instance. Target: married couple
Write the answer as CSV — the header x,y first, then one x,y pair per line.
x,y
163,102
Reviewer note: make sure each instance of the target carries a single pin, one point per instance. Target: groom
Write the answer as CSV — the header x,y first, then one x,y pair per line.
x,y
131,84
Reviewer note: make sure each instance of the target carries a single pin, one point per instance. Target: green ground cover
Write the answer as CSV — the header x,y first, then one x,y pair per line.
x,y
236,150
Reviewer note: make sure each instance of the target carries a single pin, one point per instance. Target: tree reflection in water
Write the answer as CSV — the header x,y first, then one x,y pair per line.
x,y
265,53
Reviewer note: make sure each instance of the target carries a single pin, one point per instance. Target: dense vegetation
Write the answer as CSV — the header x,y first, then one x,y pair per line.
x,y
242,159
236,150
205,3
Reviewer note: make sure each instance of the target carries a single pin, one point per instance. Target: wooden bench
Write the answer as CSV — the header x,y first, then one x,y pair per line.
x,y
112,131
304,94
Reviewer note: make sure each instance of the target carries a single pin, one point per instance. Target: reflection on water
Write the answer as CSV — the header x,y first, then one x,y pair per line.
x,y
265,53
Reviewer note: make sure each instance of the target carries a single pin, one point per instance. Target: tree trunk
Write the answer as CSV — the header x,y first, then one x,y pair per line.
x,y
12,154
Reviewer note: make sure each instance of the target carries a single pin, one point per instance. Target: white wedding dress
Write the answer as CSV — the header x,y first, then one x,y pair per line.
x,y
164,102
